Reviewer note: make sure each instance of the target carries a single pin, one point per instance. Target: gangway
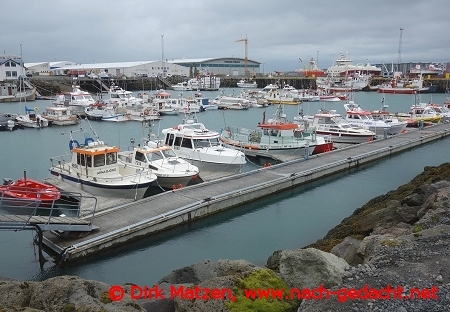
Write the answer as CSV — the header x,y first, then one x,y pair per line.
x,y
164,81
103,86
61,216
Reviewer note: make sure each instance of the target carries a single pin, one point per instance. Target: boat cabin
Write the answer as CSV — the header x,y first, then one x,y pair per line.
x,y
93,156
145,155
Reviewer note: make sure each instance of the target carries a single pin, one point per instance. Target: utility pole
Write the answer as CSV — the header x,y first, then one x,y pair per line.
x,y
162,55
245,40
399,61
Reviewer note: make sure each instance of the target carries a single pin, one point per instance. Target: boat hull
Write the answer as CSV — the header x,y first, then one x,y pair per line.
x,y
173,182
346,138
323,148
402,90
216,167
130,190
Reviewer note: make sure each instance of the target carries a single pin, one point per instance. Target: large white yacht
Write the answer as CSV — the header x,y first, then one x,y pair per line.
x,y
192,141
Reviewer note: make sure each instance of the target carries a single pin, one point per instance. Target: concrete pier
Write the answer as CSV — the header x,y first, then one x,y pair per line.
x,y
129,221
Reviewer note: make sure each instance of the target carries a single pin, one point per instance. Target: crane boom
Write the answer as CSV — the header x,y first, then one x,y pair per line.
x,y
245,40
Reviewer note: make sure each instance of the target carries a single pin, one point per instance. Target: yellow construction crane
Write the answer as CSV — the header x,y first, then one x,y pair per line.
x,y
245,40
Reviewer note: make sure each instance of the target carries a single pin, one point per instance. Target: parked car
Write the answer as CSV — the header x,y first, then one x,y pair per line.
x,y
92,75
142,75
103,75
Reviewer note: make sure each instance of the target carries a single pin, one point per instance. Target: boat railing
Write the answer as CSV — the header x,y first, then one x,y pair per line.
x,y
69,204
62,163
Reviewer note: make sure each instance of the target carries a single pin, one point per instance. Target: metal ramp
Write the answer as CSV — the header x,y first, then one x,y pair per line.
x,y
18,222
19,214
165,82
23,214
103,86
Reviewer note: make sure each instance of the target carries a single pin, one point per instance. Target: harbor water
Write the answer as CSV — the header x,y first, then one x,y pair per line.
x,y
288,220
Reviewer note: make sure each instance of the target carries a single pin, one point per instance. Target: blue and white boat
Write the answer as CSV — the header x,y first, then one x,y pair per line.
x,y
93,167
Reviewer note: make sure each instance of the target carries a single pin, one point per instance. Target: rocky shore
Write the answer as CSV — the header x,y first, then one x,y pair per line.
x,y
392,254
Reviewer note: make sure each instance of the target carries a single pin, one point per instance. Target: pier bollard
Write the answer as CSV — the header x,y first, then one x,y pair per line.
x,y
385,133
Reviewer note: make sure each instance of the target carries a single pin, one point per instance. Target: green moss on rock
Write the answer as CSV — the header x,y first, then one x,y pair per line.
x,y
264,280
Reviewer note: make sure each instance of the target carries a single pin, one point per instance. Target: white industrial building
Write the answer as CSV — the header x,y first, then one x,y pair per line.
x,y
230,66
127,69
41,68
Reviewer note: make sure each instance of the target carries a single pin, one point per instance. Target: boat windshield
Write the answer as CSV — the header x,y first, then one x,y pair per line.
x,y
154,156
202,143
199,143
168,153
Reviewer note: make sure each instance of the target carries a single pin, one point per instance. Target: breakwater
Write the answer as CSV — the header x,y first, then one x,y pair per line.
x,y
50,85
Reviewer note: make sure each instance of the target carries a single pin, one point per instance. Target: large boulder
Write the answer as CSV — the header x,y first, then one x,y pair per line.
x,y
194,274
222,284
347,250
62,293
310,268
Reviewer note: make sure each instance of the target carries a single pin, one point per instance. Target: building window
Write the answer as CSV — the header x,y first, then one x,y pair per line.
x,y
14,74
7,64
8,74
13,64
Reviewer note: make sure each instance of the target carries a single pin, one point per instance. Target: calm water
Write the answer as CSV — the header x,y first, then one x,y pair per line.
x,y
253,231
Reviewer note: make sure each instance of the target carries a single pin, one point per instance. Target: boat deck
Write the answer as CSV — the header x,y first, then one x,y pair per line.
x,y
127,221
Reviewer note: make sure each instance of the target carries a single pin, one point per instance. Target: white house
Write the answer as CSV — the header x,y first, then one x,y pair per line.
x,y
11,67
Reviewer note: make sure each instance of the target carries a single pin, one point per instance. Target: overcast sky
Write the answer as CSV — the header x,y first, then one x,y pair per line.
x,y
278,32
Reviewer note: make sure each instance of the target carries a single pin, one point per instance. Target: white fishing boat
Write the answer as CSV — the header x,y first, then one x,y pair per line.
x,y
344,66
60,115
193,142
93,167
182,86
160,99
77,99
32,119
246,84
143,112
274,137
172,171
356,116
14,91
121,97
283,97
333,125
184,105
270,87
107,112
231,102
206,82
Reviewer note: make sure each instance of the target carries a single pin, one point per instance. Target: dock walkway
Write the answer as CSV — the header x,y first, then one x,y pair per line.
x,y
117,225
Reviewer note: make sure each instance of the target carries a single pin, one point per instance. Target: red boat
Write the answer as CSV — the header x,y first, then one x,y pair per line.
x,y
28,189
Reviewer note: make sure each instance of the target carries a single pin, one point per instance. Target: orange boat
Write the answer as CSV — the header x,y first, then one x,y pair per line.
x,y
28,189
